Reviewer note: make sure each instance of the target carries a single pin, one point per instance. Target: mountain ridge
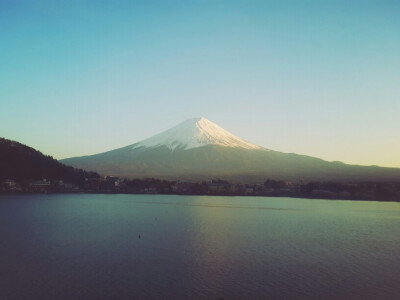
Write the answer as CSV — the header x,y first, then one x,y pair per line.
x,y
198,149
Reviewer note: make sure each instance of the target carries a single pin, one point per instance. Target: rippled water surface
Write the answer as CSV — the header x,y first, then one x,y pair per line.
x,y
87,247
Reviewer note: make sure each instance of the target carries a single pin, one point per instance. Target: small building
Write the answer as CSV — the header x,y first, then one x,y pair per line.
x,y
70,188
218,187
40,186
183,186
10,185
249,190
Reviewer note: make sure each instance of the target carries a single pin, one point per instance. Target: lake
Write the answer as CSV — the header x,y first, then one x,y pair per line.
x,y
87,246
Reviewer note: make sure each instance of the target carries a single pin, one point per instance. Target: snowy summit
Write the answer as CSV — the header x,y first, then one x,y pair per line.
x,y
185,152
194,133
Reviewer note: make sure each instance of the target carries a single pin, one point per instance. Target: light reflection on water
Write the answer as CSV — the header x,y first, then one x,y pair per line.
x,y
87,246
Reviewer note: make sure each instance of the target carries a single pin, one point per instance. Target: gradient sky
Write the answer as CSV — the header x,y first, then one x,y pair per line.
x,y
320,78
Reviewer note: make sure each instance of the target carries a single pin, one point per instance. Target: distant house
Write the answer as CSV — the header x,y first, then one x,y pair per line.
x,y
40,186
150,190
70,188
221,186
249,190
93,184
218,187
9,185
114,179
183,186
111,183
107,184
268,190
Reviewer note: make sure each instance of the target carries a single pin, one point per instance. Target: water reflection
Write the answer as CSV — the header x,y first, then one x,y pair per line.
x,y
87,246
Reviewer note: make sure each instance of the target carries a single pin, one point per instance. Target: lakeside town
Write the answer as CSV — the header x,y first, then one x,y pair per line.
x,y
380,191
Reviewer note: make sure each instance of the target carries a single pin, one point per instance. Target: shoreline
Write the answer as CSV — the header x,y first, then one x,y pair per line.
x,y
207,195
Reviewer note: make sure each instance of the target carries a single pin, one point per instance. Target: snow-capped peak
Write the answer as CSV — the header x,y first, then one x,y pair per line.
x,y
194,133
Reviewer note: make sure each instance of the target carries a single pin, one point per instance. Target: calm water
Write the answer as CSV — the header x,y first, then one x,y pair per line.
x,y
87,247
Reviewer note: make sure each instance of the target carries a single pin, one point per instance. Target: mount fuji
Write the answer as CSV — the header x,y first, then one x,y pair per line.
x,y
198,149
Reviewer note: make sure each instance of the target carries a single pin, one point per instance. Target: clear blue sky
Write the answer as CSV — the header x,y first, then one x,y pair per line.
x,y
320,78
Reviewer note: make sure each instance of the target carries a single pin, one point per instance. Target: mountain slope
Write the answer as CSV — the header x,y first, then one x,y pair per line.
x,y
23,163
199,149
194,133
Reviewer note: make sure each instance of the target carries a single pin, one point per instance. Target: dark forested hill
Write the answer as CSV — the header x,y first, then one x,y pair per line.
x,y
23,163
